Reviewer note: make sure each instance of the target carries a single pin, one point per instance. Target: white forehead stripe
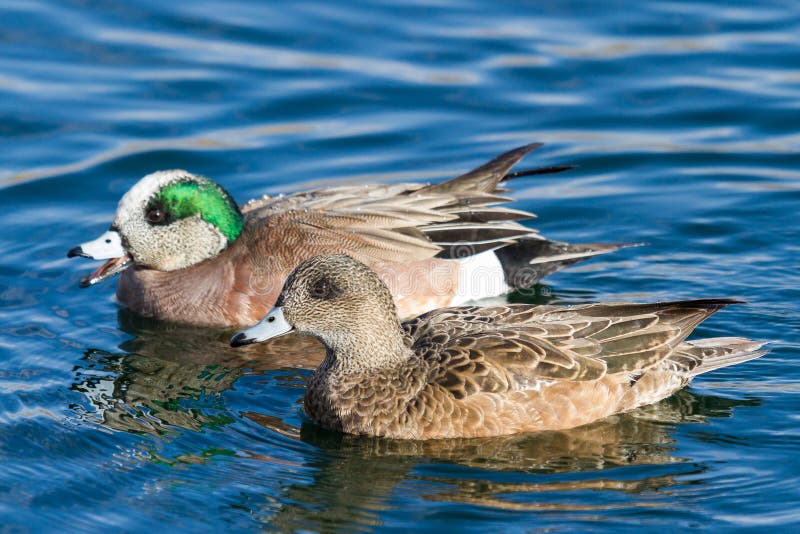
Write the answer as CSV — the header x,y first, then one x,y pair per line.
x,y
137,196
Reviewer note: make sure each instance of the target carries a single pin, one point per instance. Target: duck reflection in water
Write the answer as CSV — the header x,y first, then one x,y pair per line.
x,y
356,476
171,375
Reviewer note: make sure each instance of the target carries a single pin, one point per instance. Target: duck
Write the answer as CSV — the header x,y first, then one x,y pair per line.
x,y
187,253
471,371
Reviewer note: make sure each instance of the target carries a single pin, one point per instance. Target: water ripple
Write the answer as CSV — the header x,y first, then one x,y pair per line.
x,y
680,116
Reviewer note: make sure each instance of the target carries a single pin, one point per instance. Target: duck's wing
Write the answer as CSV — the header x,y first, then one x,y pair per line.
x,y
403,222
627,337
470,350
376,223
501,361
502,348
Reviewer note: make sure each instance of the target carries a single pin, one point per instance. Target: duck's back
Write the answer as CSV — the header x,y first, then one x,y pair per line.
x,y
510,369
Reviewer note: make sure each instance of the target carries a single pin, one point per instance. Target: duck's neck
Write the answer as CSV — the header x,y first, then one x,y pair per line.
x,y
360,381
366,348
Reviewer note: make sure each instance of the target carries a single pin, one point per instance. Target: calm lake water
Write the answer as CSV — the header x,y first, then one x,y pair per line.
x,y
683,119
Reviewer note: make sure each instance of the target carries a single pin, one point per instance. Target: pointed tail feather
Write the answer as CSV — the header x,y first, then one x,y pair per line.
x,y
553,169
528,260
486,177
714,353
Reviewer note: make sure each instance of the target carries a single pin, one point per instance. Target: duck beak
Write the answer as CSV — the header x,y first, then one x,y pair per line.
x,y
273,325
106,247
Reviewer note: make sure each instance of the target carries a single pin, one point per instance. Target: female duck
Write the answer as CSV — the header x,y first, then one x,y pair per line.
x,y
188,253
477,372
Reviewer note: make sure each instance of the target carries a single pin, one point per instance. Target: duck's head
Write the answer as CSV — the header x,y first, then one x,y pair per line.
x,y
169,220
334,298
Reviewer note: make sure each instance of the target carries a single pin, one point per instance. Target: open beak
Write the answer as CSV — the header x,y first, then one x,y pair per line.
x,y
106,247
273,325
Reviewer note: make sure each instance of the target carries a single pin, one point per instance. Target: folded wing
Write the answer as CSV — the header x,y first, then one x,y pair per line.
x,y
404,222
505,348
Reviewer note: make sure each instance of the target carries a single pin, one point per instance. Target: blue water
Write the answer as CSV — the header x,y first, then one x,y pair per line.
x,y
682,117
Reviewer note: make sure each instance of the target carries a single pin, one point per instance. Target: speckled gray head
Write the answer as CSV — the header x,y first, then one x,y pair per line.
x,y
334,298
169,220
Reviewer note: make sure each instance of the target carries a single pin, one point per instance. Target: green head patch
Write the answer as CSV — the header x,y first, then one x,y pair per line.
x,y
185,199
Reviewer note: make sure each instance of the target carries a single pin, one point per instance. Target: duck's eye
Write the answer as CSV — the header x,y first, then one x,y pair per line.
x,y
156,216
321,289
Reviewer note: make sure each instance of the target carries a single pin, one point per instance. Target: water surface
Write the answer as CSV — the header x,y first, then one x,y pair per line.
x,y
682,118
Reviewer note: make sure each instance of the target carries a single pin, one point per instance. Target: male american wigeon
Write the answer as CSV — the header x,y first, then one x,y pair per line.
x,y
188,253
477,372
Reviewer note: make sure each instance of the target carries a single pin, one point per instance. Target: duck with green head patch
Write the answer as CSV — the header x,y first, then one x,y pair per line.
x,y
186,252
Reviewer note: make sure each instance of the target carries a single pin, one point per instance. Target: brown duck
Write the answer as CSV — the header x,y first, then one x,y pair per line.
x,y
188,253
477,372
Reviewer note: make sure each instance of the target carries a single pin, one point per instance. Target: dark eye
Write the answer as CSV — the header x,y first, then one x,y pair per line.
x,y
156,216
322,289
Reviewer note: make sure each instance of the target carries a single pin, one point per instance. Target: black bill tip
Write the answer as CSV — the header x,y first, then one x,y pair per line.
x,y
241,339
77,251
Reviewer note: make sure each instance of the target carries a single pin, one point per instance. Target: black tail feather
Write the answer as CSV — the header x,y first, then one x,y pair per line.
x,y
553,169
529,260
